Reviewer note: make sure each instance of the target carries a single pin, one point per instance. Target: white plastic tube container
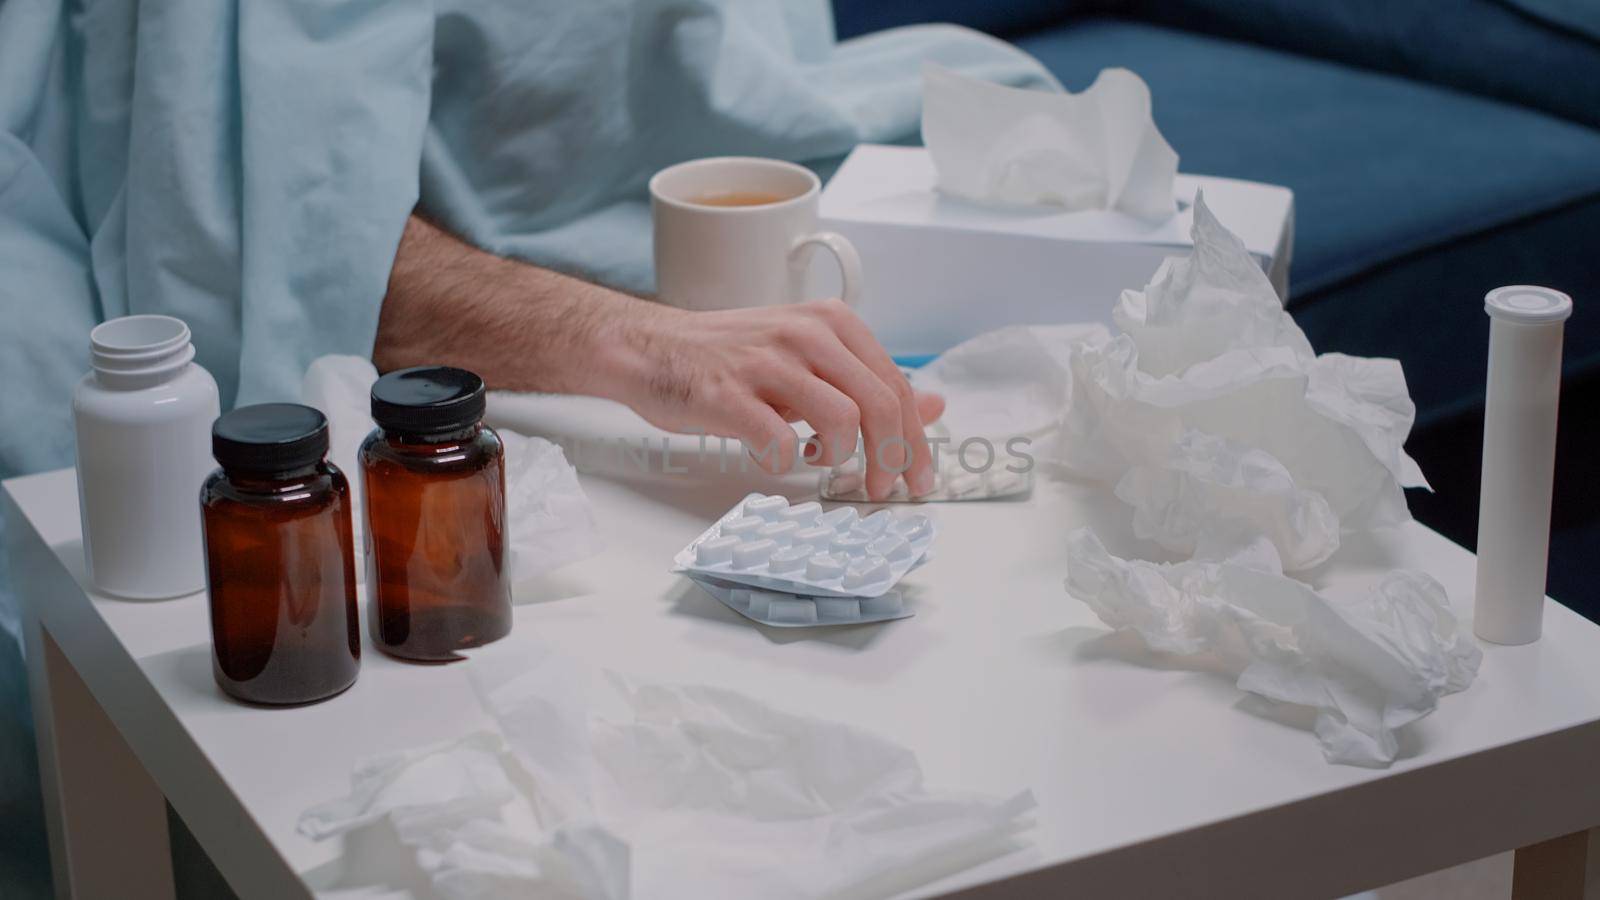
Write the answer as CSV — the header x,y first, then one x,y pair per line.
x,y
143,417
1519,451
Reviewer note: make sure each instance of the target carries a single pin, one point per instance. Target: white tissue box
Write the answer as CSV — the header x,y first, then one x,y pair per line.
x,y
940,270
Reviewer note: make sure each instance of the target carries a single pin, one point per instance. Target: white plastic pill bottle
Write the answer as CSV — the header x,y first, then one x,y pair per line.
x,y
143,416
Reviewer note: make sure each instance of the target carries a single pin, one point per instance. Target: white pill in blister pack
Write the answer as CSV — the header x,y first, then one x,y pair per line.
x,y
1004,482
864,571
817,537
802,513
872,525
839,519
849,482
825,567
849,544
780,532
743,525
800,549
769,507
789,559
717,550
996,484
750,554
972,476
891,547
963,484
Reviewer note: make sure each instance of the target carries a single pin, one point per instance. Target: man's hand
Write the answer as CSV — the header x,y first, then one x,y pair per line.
x,y
747,373
741,374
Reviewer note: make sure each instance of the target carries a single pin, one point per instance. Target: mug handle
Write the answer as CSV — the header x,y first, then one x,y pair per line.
x,y
843,251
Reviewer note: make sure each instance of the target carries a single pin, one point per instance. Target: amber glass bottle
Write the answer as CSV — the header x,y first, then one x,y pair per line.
x,y
279,558
436,516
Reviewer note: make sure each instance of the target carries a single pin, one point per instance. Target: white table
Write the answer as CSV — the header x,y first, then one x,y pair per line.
x,y
1150,780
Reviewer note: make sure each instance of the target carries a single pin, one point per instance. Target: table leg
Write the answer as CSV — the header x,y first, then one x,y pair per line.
x,y
1563,868
107,818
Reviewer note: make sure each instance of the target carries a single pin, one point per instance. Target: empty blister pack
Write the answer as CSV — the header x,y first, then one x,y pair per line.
x,y
786,610
766,543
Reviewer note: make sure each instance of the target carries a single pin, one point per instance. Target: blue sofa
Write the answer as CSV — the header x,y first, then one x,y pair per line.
x,y
1435,150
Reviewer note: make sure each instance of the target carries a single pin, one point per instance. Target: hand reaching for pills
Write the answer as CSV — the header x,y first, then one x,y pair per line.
x,y
735,373
747,373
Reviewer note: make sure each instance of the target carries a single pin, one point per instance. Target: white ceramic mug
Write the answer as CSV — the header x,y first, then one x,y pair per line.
x,y
711,256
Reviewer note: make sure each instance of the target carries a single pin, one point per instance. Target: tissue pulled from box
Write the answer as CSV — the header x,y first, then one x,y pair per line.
x,y
602,785
1002,145
1367,666
549,521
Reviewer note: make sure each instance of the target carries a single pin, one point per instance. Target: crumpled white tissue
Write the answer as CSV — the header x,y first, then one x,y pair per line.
x,y
549,519
1207,405
448,803
1208,480
419,789
1096,150
1208,348
612,787
1367,666
1233,443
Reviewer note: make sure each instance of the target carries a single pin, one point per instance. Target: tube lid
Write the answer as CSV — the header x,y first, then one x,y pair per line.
x,y
428,400
269,437
1527,304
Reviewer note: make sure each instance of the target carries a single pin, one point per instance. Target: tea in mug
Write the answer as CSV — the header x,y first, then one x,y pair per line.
x,y
738,198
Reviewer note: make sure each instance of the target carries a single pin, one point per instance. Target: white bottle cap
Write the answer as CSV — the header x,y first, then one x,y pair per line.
x,y
1526,304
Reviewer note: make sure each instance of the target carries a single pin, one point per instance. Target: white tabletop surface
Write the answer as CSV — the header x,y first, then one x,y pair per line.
x,y
999,682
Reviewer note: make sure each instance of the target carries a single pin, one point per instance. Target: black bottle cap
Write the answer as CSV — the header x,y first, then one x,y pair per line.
x,y
269,437
428,400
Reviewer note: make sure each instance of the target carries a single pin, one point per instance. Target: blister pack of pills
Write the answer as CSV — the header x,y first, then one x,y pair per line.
x,y
795,611
764,542
963,473
952,482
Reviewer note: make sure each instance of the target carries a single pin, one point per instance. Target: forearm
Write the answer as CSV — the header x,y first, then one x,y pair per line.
x,y
736,373
519,326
